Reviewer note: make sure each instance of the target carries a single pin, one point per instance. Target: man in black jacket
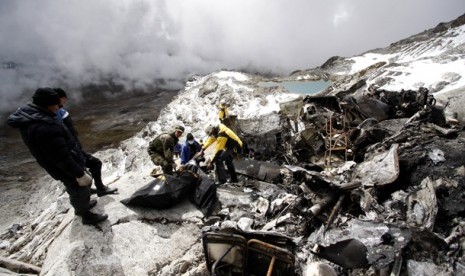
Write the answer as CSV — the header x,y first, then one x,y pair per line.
x,y
56,150
93,163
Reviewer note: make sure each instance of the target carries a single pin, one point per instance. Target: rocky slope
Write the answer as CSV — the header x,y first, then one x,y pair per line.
x,y
163,237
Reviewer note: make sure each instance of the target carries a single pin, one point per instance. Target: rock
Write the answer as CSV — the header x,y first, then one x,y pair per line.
x,y
319,269
381,169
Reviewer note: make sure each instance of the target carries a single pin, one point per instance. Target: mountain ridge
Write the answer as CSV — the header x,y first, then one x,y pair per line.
x,y
446,42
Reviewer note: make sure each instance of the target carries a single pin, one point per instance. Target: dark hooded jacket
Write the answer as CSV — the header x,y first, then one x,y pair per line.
x,y
49,142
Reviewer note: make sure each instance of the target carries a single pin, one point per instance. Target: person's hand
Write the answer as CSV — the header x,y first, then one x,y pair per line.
x,y
209,165
197,155
174,166
85,180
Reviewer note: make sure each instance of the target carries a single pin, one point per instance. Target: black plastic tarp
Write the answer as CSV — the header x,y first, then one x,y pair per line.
x,y
167,191
204,196
163,193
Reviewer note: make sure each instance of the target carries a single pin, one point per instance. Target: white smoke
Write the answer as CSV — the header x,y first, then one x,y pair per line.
x,y
136,43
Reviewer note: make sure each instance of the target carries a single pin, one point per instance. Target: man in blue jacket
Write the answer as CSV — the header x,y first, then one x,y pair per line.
x,y
56,150
189,149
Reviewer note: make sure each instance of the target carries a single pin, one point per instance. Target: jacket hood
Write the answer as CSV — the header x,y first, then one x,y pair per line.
x,y
28,114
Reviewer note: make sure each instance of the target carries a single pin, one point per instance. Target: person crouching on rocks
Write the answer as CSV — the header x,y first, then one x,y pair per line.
x,y
161,149
228,145
55,149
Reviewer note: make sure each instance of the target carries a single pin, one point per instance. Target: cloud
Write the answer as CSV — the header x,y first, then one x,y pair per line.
x,y
135,43
341,16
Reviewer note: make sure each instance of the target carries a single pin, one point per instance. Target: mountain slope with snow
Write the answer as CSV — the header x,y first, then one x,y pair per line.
x,y
435,63
434,59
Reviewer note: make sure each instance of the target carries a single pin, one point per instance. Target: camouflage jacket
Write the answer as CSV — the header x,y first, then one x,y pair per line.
x,y
163,145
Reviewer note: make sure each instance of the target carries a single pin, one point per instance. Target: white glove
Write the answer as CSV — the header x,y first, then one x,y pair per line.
x,y
85,180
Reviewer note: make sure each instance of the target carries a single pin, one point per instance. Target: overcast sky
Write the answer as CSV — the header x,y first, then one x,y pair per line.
x,y
136,41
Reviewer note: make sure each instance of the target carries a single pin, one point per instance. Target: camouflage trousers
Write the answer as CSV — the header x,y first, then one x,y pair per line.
x,y
161,161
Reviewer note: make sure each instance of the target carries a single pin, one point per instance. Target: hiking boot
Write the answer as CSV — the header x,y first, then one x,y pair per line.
x,y
219,182
156,172
93,218
92,204
106,191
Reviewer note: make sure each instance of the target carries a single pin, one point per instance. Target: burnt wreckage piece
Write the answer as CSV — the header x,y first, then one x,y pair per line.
x,y
397,139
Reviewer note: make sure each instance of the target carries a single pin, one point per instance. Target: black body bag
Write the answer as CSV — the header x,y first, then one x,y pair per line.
x,y
163,193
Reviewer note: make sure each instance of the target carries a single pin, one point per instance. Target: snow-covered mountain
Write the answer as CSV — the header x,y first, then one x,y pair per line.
x,y
433,59
167,242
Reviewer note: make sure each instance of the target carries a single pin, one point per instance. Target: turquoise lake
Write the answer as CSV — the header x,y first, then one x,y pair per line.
x,y
299,87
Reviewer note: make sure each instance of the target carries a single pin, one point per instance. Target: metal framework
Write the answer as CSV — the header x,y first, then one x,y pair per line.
x,y
336,137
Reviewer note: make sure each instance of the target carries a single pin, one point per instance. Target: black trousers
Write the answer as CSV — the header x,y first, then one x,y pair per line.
x,y
79,197
225,157
95,168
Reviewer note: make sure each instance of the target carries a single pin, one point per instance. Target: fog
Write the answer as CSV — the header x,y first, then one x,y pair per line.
x,y
139,44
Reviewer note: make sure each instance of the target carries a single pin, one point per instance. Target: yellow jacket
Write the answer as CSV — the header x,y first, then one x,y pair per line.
x,y
223,112
226,139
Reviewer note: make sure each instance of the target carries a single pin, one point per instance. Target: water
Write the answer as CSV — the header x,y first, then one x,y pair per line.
x,y
299,87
